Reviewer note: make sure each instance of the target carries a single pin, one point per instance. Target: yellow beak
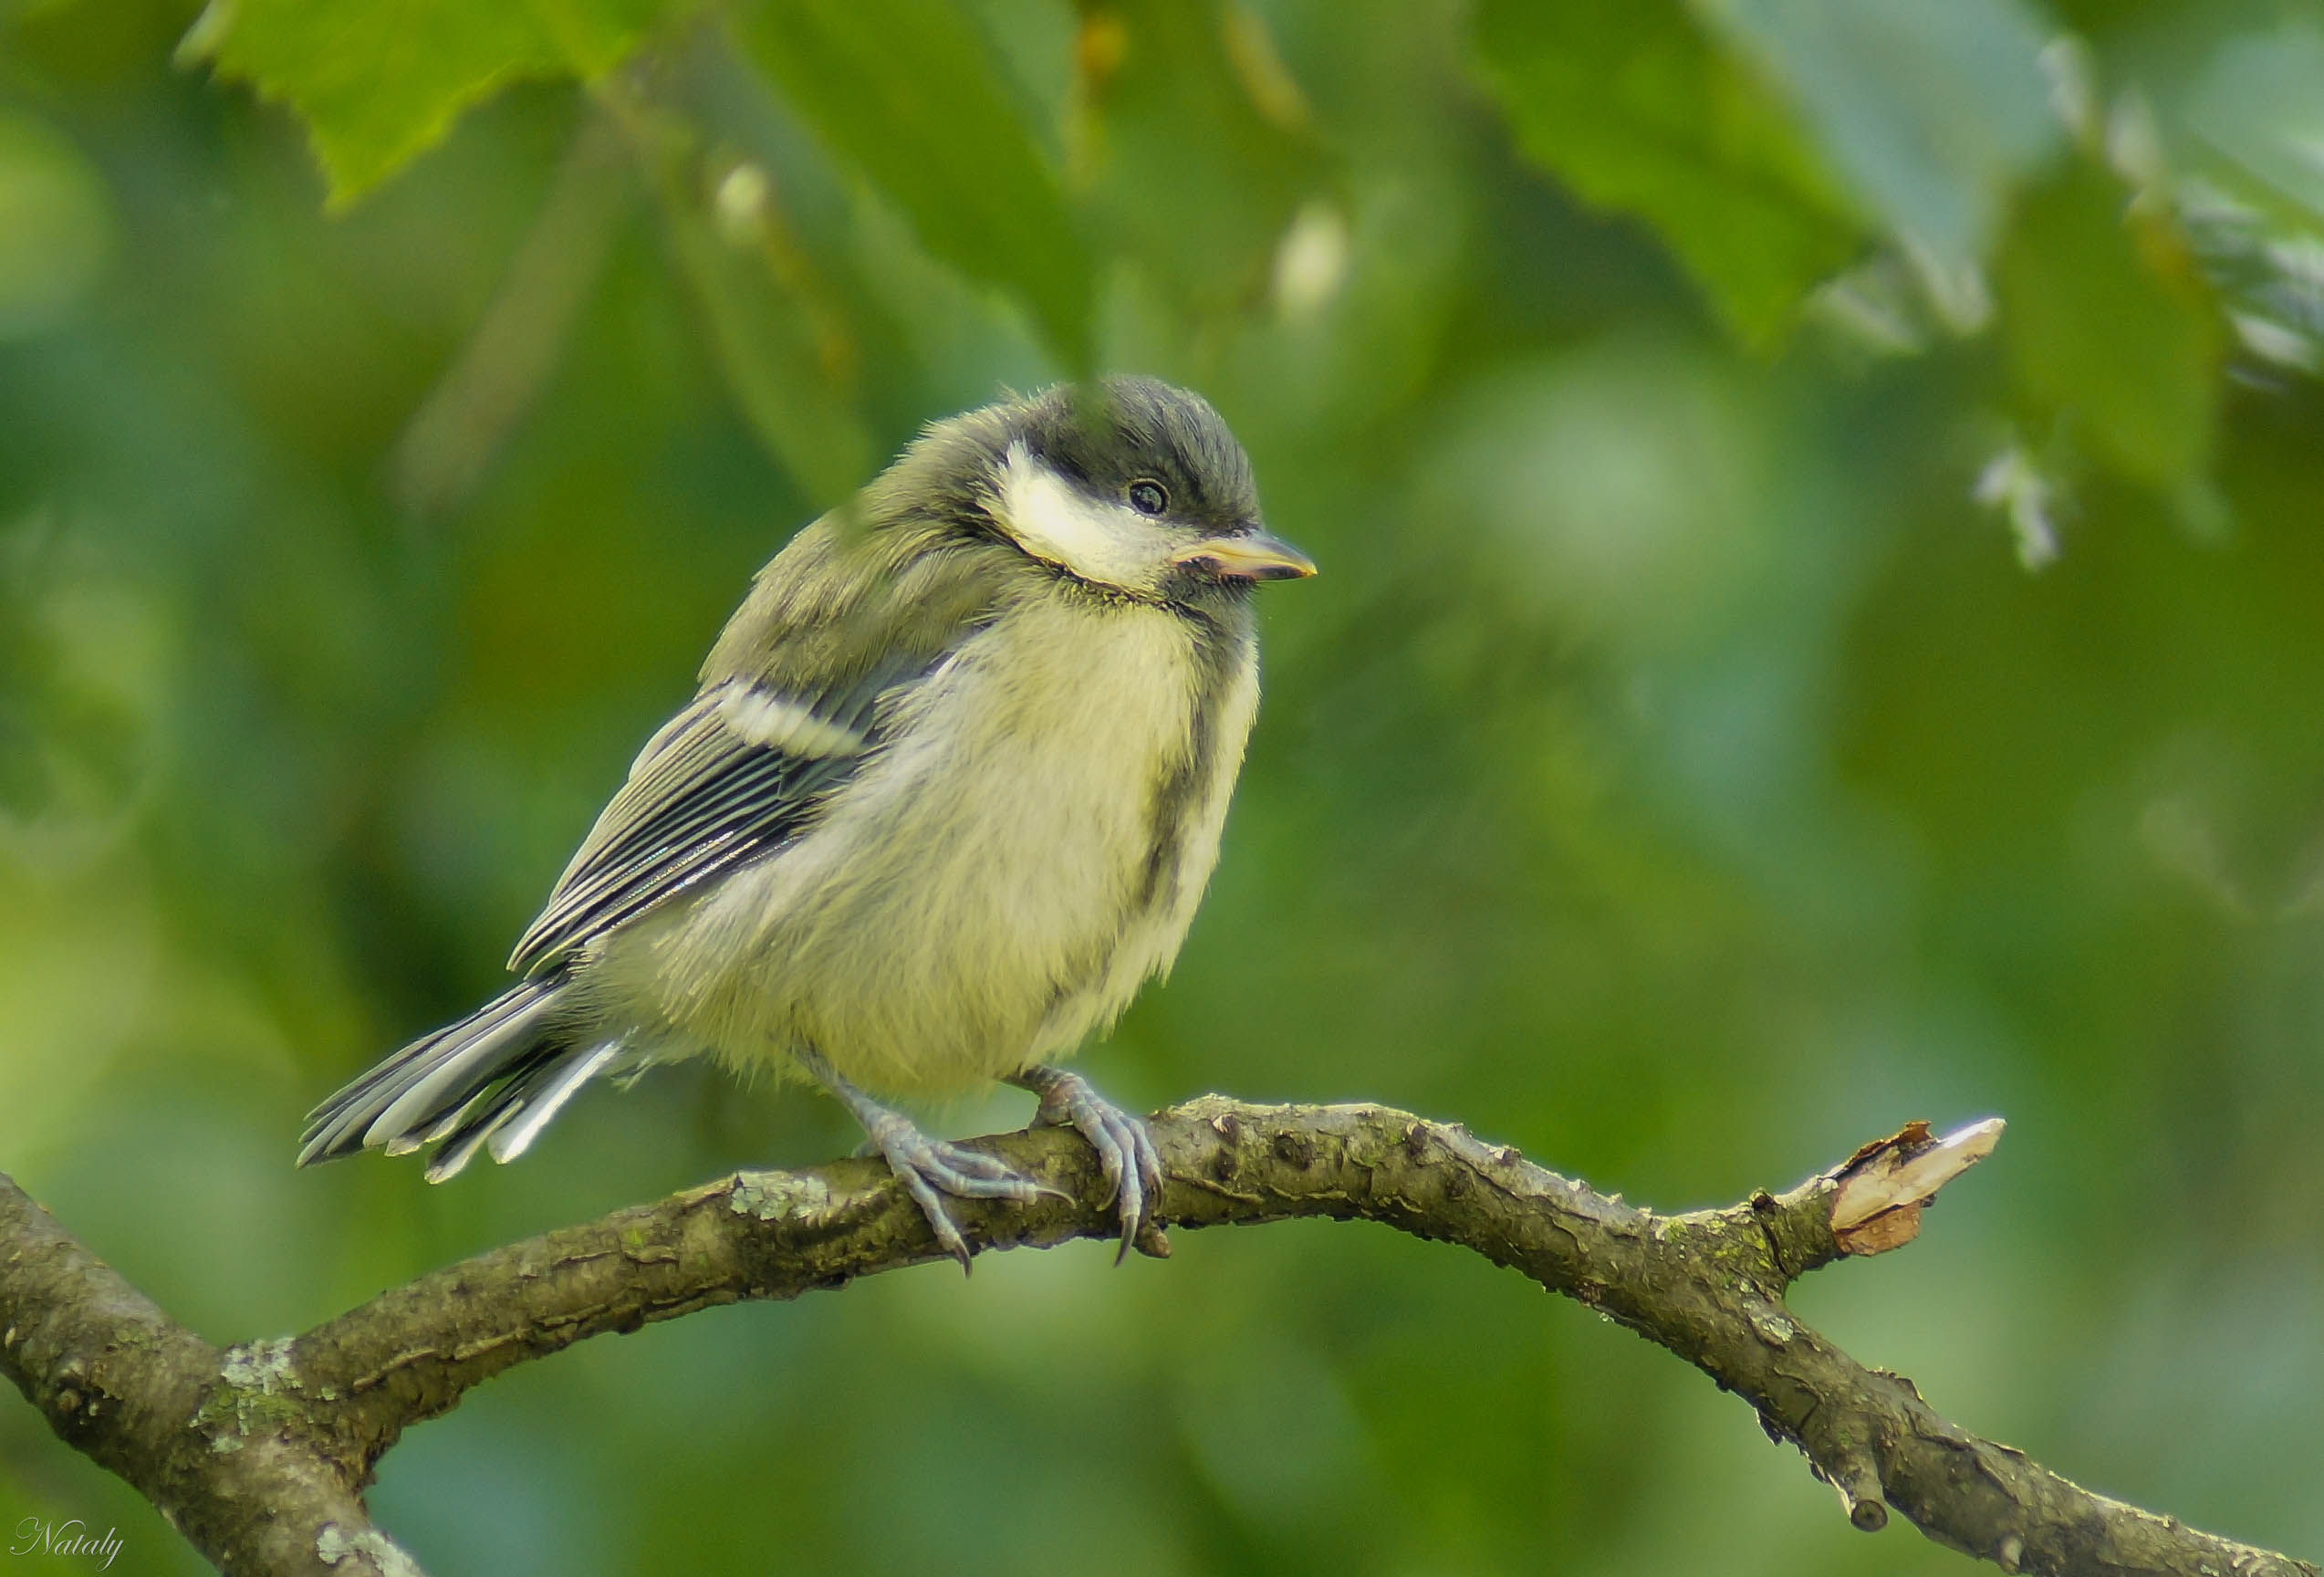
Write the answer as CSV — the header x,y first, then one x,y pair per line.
x,y
1254,556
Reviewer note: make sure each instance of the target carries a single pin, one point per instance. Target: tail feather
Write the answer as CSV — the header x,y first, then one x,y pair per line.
x,y
340,1125
546,1091
530,1098
421,1093
461,1146
494,1040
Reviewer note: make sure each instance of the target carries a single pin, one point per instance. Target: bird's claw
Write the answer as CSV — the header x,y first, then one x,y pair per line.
x,y
1126,1154
930,1168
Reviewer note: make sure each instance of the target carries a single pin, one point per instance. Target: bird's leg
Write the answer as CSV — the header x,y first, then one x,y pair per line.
x,y
927,1168
1125,1151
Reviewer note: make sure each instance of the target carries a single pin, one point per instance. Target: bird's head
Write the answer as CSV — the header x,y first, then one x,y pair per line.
x,y
1130,485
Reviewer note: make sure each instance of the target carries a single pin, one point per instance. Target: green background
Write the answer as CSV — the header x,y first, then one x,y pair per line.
x,y
1821,623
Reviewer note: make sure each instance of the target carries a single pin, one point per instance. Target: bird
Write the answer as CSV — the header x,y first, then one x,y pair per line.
x,y
947,795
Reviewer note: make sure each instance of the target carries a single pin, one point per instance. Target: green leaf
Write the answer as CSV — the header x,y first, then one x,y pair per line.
x,y
1630,104
911,93
379,82
2109,326
1930,110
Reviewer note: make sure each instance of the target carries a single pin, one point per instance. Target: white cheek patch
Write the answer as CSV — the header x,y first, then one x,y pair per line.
x,y
764,717
1109,543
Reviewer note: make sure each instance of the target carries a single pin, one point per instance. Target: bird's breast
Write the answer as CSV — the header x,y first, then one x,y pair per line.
x,y
1026,846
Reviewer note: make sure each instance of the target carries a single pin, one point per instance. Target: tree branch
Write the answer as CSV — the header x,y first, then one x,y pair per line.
x,y
257,1454
249,1483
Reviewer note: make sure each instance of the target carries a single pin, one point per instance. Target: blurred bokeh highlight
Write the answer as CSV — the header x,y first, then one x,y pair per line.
x,y
1822,518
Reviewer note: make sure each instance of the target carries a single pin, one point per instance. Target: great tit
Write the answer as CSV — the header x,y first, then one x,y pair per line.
x,y
948,794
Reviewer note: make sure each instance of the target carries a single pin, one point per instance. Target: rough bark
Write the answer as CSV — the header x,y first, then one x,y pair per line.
x,y
246,1476
258,1454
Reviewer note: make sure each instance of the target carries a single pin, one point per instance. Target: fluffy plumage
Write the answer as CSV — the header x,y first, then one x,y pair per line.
x,y
948,793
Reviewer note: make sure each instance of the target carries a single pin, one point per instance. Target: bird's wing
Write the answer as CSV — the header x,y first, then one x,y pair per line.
x,y
796,694
739,771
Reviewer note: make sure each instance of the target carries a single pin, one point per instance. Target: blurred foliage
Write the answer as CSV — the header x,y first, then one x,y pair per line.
x,y
1819,505
912,95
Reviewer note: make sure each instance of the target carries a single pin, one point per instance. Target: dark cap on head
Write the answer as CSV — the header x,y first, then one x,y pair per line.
x,y
1109,433
1128,484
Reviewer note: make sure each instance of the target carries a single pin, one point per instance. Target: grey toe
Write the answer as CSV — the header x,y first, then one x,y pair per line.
x,y
927,1168
967,1174
1126,1154
932,1168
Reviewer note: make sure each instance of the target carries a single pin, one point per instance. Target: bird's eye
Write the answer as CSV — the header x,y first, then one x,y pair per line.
x,y
1148,497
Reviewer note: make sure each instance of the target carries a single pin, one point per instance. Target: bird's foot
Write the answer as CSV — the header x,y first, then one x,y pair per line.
x,y
1126,1153
930,1168
927,1168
